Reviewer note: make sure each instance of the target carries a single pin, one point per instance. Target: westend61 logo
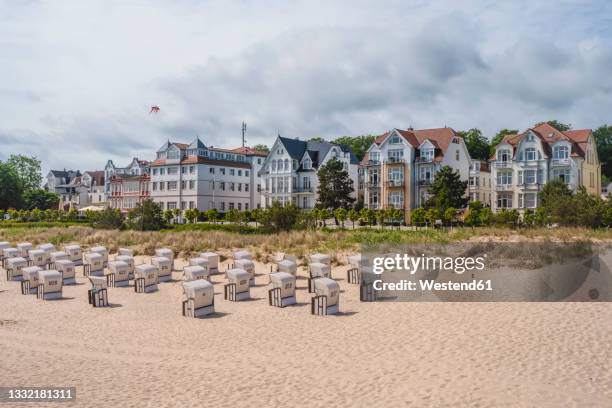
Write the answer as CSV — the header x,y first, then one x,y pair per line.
x,y
412,264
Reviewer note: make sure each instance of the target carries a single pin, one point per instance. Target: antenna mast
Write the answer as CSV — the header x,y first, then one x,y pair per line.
x,y
243,132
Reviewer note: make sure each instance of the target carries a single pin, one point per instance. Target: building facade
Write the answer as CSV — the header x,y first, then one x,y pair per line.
x,y
400,166
524,162
127,191
289,172
480,182
135,168
204,177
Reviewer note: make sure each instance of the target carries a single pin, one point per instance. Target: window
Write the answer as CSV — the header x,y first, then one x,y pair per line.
x,y
183,205
530,154
191,169
427,154
171,205
211,185
212,170
504,155
504,200
246,173
239,206
173,154
183,184
246,187
527,177
172,185
191,205
396,174
172,170
222,185
527,200
258,188
155,186
425,173
562,174
183,170
232,186
191,184
222,170
222,205
162,171
374,157
155,172
396,198
395,155
395,139
307,164
561,152
231,172
231,206
240,172
273,165
258,160
287,165
161,186
457,155
239,186
504,177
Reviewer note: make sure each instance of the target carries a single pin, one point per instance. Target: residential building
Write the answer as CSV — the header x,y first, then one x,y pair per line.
x,y
400,166
128,190
77,190
524,162
479,184
135,168
198,176
289,172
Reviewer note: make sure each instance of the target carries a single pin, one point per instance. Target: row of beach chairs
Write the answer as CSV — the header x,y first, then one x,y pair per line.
x,y
44,270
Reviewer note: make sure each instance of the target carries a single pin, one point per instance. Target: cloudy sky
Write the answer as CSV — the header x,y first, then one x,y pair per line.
x,y
77,78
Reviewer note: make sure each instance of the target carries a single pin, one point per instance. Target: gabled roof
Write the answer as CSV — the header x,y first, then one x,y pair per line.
x,y
250,151
550,135
316,149
197,144
97,177
441,138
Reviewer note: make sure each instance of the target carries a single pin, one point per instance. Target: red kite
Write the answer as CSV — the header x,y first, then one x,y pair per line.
x,y
154,109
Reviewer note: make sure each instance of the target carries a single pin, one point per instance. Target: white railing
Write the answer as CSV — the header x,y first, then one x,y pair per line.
x,y
560,162
503,164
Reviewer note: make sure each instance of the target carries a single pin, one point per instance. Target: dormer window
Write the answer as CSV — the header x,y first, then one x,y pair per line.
x,y
530,154
504,155
395,139
427,154
307,164
560,152
374,157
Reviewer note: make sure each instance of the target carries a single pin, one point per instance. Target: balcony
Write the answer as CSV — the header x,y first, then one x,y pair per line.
x,y
529,186
395,183
398,206
394,160
474,187
504,187
373,163
503,164
374,184
424,159
560,162
302,190
425,182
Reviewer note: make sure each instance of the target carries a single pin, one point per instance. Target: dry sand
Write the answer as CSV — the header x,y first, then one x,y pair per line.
x,y
142,352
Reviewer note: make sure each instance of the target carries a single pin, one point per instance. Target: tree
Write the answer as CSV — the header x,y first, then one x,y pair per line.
x,y
11,188
603,139
381,215
396,215
192,215
324,215
147,216
418,216
28,170
528,217
472,217
476,143
168,215
316,139
366,215
177,213
353,216
607,218
486,216
233,215
447,190
500,136
556,199
109,218
590,209
261,147
450,214
41,199
212,215
432,215
358,144
562,127
280,218
340,214
335,186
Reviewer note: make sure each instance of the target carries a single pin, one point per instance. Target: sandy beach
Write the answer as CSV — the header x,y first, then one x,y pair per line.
x,y
142,353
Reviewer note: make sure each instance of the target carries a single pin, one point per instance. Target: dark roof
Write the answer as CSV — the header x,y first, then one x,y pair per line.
x,y
97,177
317,150
295,147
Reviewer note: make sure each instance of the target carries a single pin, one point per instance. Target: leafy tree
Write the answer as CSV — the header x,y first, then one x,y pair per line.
x,y
148,216
590,209
340,214
177,213
11,188
168,216
316,139
603,139
41,199
366,215
607,217
447,190
472,217
212,215
432,215
233,215
450,214
540,216
528,217
280,218
500,136
324,215
353,216
28,170
396,215
476,143
358,144
262,147
562,127
485,217
192,215
109,218
335,186
418,216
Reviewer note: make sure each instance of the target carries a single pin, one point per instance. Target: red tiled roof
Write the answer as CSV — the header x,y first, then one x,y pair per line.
x,y
250,151
441,138
202,160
